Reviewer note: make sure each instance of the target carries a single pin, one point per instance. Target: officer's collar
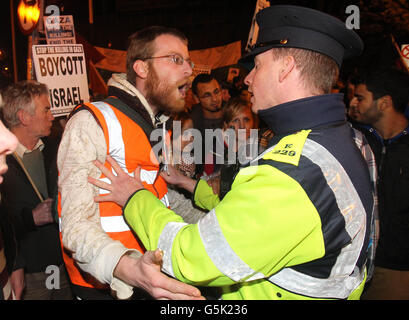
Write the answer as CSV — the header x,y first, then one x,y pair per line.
x,y
304,113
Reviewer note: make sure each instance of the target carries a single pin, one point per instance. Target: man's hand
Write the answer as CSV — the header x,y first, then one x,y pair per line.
x,y
214,182
17,282
42,213
145,273
122,185
177,178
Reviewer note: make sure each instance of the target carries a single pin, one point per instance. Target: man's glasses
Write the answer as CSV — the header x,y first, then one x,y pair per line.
x,y
175,58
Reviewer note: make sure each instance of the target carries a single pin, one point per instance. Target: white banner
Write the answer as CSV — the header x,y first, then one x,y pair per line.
x,y
59,29
63,69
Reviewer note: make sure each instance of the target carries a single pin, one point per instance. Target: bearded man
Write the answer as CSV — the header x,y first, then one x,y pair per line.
x,y
103,257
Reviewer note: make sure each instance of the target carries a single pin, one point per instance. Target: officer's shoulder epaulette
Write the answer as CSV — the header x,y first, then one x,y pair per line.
x,y
289,148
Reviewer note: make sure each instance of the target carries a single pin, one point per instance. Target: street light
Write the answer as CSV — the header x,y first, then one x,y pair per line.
x,y
28,14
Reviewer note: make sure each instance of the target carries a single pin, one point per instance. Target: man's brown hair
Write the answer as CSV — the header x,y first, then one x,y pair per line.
x,y
141,46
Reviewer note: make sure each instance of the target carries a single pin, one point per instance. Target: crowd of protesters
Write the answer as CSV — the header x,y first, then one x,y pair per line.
x,y
63,237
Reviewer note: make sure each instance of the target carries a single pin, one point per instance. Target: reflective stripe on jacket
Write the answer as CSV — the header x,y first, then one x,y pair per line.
x,y
292,227
128,145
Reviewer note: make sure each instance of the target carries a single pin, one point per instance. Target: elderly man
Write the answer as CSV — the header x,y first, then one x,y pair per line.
x,y
294,224
28,190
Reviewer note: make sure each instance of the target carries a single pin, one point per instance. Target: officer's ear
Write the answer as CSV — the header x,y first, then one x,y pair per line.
x,y
141,69
287,65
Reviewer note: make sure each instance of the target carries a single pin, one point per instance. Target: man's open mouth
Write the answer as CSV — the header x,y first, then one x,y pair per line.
x,y
183,88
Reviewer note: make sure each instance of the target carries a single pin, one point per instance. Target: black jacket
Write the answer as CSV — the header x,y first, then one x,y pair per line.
x,y
196,114
392,160
27,245
198,119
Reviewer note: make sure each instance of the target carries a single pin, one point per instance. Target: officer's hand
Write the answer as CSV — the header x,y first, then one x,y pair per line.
x,y
122,185
42,213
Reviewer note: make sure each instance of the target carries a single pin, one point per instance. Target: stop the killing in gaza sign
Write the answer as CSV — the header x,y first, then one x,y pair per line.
x,y
63,69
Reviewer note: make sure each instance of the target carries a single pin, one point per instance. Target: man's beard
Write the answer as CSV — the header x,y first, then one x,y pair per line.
x,y
371,115
161,94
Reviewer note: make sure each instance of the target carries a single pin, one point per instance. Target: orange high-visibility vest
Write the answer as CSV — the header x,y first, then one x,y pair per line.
x,y
129,146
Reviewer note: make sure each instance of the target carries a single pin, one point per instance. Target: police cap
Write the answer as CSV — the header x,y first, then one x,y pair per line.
x,y
287,26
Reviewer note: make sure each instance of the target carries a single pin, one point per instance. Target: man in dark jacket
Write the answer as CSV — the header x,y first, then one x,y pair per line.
x,y
380,100
207,114
27,192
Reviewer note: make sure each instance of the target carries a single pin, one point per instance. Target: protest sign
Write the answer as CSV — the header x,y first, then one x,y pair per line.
x,y
59,29
63,69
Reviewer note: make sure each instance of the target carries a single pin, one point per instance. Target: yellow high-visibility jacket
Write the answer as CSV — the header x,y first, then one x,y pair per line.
x,y
293,225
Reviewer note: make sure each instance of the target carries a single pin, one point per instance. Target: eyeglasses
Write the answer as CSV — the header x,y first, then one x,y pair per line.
x,y
175,58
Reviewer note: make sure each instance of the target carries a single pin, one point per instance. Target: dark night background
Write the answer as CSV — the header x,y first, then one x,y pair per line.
x,y
207,23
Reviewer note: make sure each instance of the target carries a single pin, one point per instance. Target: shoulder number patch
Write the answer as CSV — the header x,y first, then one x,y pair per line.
x,y
289,148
